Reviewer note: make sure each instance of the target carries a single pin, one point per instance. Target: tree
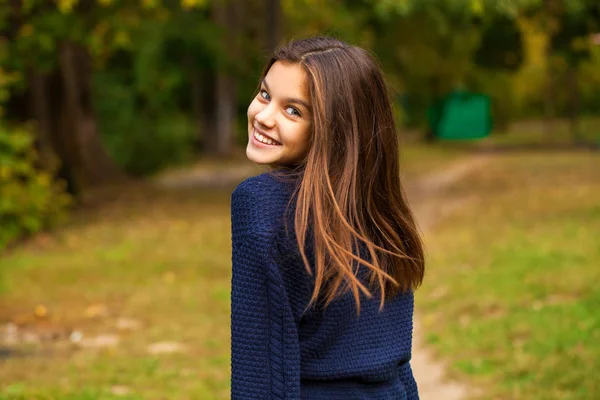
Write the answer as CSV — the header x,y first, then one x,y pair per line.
x,y
46,49
573,24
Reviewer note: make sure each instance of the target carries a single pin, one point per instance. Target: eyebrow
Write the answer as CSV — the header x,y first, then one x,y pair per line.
x,y
290,99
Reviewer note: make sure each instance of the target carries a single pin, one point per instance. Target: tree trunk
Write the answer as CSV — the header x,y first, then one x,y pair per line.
x,y
573,90
208,110
549,102
435,87
86,156
225,113
41,114
552,9
227,17
196,105
273,13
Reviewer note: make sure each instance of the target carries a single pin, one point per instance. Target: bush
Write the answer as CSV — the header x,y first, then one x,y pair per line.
x,y
145,145
31,199
142,135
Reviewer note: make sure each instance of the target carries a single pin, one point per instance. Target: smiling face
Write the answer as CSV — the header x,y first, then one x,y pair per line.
x,y
279,117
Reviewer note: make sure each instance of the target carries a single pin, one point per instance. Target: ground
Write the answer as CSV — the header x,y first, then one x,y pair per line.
x,y
130,299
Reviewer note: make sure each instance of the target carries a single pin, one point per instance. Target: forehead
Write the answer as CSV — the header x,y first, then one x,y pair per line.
x,y
287,79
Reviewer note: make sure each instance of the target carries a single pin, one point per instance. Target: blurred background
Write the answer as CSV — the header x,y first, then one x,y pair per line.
x,y
123,133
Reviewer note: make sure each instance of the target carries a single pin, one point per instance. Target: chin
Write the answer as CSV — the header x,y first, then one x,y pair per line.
x,y
252,155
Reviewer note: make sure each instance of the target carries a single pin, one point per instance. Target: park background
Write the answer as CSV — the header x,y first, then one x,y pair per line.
x,y
122,135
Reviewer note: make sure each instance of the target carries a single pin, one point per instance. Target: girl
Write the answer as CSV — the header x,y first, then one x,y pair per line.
x,y
326,253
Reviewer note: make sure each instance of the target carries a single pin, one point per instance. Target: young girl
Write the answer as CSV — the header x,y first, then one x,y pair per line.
x,y
326,253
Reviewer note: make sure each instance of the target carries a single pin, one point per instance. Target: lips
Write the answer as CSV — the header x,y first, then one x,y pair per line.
x,y
267,136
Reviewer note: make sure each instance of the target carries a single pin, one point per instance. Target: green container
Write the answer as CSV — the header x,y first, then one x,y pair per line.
x,y
461,115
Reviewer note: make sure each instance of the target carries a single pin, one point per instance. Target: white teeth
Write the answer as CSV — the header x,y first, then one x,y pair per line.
x,y
263,139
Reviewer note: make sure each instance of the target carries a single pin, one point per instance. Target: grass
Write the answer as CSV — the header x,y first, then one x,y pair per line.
x,y
536,131
511,296
160,258
418,159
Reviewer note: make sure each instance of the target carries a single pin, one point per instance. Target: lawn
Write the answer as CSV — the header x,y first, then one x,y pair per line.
x,y
511,297
151,267
130,300
418,159
536,132
83,307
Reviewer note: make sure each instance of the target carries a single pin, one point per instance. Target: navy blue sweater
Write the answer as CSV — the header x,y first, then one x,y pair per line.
x,y
279,352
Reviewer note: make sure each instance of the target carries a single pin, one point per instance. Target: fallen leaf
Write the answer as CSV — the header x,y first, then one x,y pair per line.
x,y
119,390
127,324
97,310
169,277
165,348
101,341
40,311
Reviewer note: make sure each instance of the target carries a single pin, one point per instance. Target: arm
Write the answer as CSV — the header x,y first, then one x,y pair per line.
x,y
404,370
407,378
265,355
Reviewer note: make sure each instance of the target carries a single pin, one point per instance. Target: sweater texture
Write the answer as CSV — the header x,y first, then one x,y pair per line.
x,y
278,351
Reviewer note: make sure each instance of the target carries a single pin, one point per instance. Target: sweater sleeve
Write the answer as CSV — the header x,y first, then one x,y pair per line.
x,y
265,355
408,379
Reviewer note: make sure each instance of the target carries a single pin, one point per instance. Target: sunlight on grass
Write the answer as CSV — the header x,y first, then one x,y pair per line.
x,y
158,258
161,259
536,132
511,294
418,159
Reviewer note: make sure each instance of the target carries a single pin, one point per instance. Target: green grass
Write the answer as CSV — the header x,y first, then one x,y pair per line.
x,y
536,132
418,159
511,297
161,258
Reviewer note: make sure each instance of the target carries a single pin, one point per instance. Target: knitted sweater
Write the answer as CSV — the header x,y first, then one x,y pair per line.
x,y
279,352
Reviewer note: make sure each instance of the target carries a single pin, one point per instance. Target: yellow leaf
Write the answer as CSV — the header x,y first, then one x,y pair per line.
x,y
477,7
189,4
66,6
169,277
122,39
150,4
40,311
26,30
580,43
96,310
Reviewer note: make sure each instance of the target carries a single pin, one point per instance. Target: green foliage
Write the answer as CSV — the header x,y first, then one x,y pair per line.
x,y
154,59
429,63
570,39
501,46
141,95
31,200
141,140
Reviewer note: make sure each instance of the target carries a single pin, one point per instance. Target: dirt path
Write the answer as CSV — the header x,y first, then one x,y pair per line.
x,y
429,205
425,195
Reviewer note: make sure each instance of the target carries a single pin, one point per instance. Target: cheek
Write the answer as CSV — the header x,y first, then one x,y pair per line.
x,y
306,136
253,109
302,138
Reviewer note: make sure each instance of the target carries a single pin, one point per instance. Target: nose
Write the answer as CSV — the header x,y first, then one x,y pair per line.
x,y
266,116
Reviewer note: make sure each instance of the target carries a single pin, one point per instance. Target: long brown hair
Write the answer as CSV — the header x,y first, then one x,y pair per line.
x,y
349,193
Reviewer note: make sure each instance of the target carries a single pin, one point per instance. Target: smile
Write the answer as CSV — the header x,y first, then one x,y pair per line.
x,y
264,139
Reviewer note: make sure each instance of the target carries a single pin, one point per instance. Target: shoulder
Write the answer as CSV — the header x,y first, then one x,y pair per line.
x,y
257,185
259,203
